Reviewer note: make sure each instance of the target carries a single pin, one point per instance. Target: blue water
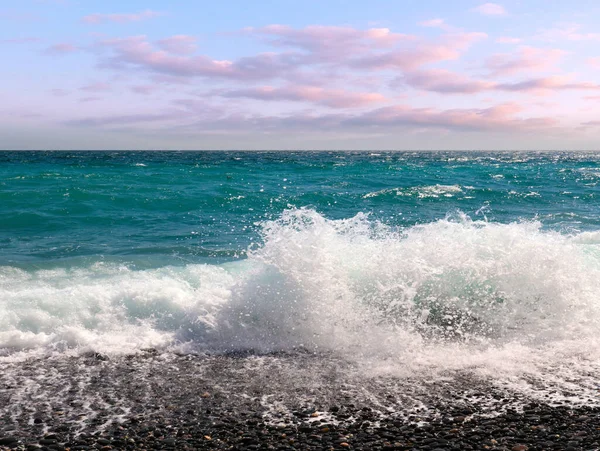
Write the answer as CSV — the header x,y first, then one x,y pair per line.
x,y
156,208
401,255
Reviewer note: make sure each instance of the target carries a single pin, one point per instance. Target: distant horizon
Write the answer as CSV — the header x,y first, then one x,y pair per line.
x,y
428,75
310,150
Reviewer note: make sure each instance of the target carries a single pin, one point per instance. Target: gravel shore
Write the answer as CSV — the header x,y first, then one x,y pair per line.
x,y
286,401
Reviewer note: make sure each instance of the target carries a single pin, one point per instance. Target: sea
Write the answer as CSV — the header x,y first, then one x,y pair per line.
x,y
405,265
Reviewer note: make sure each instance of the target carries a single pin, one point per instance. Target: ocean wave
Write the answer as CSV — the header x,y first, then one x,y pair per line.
x,y
419,191
451,294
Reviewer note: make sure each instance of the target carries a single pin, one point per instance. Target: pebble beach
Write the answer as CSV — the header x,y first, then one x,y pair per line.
x,y
274,402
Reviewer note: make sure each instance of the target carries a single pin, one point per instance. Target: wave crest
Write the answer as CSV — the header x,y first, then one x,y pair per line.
x,y
449,294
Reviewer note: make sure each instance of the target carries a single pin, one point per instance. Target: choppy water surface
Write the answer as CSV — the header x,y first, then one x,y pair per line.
x,y
404,264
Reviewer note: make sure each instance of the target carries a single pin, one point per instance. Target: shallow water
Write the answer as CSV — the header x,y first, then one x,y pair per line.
x,y
403,265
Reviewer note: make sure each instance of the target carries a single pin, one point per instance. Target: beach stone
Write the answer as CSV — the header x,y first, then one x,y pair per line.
x,y
245,423
8,441
520,448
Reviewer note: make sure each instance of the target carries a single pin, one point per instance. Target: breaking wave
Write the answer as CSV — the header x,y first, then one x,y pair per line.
x,y
447,295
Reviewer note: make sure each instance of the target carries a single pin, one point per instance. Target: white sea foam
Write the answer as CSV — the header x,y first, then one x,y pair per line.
x,y
455,294
419,191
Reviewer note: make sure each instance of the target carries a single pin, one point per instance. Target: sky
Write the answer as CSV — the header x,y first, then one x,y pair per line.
x,y
288,74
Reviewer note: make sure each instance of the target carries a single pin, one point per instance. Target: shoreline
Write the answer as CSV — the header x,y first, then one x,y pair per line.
x,y
285,401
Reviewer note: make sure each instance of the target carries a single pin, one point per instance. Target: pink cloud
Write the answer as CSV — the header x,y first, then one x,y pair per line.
x,y
178,44
548,84
497,118
446,82
137,52
527,59
145,89
61,49
200,117
491,9
96,87
421,53
434,23
333,48
333,98
508,40
120,18
166,79
547,104
330,40
594,62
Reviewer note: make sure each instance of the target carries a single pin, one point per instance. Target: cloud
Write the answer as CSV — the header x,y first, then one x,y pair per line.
x,y
548,83
185,112
96,87
320,54
526,59
330,40
137,52
59,92
333,98
593,62
497,118
200,117
491,9
566,32
179,44
446,82
434,23
60,49
120,18
127,119
420,53
332,68
22,114
144,89
507,40
90,99
591,124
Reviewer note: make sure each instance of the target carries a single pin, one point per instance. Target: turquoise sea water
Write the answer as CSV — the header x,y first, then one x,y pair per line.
x,y
155,208
445,260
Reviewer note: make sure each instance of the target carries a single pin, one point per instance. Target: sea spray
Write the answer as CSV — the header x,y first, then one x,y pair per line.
x,y
450,295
